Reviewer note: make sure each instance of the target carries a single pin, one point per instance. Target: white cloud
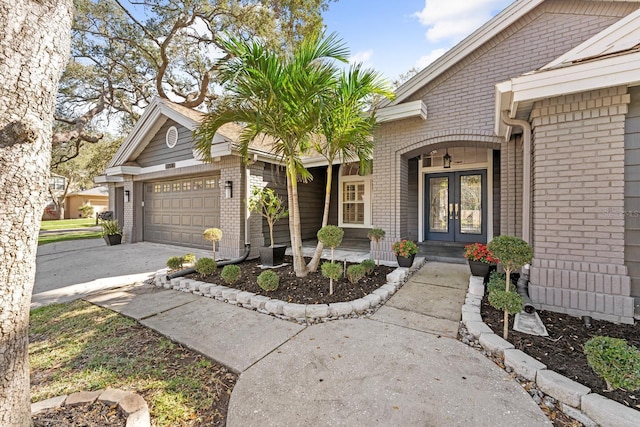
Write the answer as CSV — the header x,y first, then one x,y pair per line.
x,y
452,20
429,58
361,57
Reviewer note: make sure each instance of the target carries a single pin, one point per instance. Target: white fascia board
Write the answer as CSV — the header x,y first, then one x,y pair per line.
x,y
504,101
105,179
123,170
500,22
177,117
592,75
163,167
402,111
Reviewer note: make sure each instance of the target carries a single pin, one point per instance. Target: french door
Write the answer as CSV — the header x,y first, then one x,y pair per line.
x,y
455,206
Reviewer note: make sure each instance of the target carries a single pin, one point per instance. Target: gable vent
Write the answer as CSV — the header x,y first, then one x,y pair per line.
x,y
172,137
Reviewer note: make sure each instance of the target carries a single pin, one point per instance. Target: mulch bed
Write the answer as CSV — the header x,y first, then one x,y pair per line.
x,y
97,414
562,351
312,289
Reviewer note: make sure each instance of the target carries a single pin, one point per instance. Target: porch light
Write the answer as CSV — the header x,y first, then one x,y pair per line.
x,y
127,196
446,160
228,189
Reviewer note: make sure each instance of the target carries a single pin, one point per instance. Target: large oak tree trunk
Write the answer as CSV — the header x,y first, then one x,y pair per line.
x,y
34,47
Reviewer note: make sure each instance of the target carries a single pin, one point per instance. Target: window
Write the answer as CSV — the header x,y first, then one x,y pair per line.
x,y
197,184
57,182
176,186
354,209
186,185
209,184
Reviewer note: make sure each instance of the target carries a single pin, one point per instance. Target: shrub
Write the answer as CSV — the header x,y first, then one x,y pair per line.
x,y
509,302
497,281
110,227
268,280
230,274
331,270
86,211
174,262
331,236
368,265
267,203
376,234
356,272
188,259
617,362
213,235
206,266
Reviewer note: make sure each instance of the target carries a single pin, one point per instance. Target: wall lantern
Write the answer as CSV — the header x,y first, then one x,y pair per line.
x,y
446,160
127,196
228,189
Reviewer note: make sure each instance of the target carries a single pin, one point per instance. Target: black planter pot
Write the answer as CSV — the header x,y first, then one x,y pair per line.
x,y
113,239
479,268
272,255
405,261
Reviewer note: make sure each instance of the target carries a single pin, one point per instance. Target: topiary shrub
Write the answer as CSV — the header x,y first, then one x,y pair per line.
x,y
188,259
268,280
206,266
331,270
213,235
376,234
331,236
617,362
513,253
497,281
369,265
230,274
174,262
356,272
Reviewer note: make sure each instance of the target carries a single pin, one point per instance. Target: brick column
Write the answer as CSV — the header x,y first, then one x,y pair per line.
x,y
232,210
128,227
578,204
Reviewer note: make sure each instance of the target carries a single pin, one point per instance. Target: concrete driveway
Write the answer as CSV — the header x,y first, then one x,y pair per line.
x,y
74,269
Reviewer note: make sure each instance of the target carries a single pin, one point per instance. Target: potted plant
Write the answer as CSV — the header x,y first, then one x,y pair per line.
x,y
480,259
405,251
111,232
269,205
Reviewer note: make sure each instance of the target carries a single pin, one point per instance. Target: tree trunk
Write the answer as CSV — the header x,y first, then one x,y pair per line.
x,y
34,47
315,261
299,266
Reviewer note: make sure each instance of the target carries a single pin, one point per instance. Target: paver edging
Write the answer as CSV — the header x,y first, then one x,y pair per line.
x,y
132,405
364,306
580,414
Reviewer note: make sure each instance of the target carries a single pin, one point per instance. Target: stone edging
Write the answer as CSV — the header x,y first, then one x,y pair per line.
x,y
577,400
300,313
132,405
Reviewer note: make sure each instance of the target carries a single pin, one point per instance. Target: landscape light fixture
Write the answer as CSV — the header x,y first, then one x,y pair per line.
x,y
446,160
228,189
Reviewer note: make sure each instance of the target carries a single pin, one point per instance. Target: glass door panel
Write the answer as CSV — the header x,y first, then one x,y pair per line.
x,y
471,204
438,207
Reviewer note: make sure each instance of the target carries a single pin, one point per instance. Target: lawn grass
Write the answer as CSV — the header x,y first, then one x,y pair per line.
x,y
43,239
78,346
63,224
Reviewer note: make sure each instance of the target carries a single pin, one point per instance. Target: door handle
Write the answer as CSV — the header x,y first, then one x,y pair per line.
x,y
450,210
457,211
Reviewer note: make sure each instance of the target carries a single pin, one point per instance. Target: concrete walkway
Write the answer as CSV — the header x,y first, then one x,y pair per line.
x,y
399,367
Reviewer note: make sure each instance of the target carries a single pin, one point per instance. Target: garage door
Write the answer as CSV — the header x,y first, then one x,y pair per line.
x,y
178,211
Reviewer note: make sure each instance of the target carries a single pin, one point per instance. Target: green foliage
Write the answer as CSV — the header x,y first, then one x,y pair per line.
x,y
206,266
331,236
617,362
509,302
230,274
86,211
376,234
356,272
110,227
498,280
188,258
331,270
268,204
174,262
405,248
513,252
212,234
369,265
268,280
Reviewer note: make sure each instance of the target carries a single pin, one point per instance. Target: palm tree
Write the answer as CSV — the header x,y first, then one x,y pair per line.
x,y
279,96
346,129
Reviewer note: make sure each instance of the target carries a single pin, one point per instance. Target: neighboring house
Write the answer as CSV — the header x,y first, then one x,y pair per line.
x,y
57,187
97,197
558,167
538,112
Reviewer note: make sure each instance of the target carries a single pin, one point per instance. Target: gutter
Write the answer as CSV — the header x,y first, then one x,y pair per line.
x,y
526,172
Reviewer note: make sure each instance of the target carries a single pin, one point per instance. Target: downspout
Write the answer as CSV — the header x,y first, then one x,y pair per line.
x,y
526,172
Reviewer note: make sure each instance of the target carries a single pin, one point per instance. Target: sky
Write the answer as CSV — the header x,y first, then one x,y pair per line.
x,y
393,36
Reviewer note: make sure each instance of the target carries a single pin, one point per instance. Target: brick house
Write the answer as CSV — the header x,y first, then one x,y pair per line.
x,y
528,127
